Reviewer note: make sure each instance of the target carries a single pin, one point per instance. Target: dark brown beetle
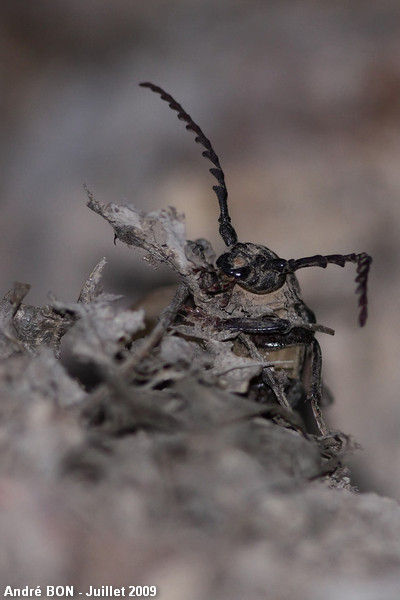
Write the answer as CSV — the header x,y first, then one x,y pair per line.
x,y
287,327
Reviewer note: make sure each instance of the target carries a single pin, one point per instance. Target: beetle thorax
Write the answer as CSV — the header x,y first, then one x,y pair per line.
x,y
283,302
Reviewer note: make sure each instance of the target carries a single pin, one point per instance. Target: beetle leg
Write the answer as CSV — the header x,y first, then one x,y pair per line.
x,y
315,393
261,326
276,327
269,377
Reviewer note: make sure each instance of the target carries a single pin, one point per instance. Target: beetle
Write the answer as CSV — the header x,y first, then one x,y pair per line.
x,y
283,326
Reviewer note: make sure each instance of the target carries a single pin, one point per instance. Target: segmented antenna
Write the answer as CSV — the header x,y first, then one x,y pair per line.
x,y
226,229
362,260
363,265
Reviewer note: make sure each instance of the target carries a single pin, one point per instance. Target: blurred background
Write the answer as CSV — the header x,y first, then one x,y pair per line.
x,y
302,103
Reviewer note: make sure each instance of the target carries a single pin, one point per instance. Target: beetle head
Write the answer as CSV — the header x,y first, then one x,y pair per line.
x,y
254,267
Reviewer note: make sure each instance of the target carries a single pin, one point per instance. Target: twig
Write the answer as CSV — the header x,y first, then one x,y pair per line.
x,y
283,363
166,318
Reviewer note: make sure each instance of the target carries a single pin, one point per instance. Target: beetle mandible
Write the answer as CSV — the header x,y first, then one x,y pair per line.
x,y
286,327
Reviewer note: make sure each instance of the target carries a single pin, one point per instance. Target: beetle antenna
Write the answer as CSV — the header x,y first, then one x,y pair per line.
x,y
363,262
226,229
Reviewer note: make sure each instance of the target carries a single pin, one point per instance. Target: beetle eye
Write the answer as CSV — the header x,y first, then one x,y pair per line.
x,y
227,265
241,272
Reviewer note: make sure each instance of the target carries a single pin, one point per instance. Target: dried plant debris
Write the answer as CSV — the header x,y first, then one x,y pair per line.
x,y
9,305
102,330
160,233
93,286
175,464
26,328
25,378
